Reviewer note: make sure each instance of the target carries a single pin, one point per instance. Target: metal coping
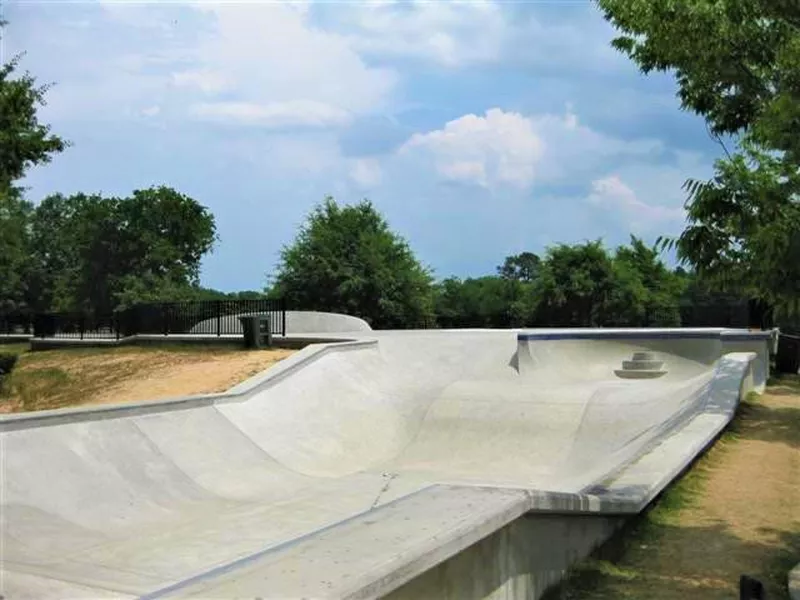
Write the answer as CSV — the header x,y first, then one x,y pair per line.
x,y
645,335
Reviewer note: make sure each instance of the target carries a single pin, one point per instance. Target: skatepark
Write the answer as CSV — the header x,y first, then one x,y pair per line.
x,y
408,464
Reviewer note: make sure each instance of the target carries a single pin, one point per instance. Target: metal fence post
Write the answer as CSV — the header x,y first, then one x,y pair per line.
x,y
164,317
283,318
219,317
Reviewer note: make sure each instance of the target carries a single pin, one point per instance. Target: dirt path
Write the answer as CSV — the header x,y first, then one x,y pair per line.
x,y
737,512
748,515
59,378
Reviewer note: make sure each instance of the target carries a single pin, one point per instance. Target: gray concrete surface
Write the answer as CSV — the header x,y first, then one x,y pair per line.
x,y
351,470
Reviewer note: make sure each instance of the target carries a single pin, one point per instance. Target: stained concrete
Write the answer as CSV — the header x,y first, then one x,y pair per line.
x,y
351,470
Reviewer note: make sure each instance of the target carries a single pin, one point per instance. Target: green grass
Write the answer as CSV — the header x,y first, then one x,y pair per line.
x,y
18,349
36,384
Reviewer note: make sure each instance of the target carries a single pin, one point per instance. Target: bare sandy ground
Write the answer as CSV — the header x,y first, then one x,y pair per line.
x,y
61,378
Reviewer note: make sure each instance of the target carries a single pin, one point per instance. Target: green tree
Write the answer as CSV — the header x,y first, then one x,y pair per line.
x,y
346,259
645,291
574,285
737,63
24,142
520,267
744,228
477,302
14,250
97,254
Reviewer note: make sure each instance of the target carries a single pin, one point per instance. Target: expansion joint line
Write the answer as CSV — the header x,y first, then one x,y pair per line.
x,y
388,477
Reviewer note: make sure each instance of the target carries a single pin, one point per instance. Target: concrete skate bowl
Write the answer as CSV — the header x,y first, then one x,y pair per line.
x,y
366,468
297,322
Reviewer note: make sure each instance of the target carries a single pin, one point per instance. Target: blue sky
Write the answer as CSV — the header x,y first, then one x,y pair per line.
x,y
479,129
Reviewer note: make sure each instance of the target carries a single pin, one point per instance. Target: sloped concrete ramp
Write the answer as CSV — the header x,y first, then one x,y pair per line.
x,y
350,469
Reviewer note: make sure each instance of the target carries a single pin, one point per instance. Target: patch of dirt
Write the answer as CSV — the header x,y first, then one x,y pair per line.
x,y
747,520
59,378
175,376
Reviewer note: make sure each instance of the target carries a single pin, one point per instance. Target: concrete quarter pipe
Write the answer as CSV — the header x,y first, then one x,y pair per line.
x,y
368,467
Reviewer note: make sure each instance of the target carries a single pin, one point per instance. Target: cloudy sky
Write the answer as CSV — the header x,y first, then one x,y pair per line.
x,y
479,129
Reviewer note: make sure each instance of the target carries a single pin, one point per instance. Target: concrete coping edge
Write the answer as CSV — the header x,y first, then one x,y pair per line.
x,y
651,334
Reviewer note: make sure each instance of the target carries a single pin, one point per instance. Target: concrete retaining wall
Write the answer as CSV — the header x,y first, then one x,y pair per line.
x,y
521,560
297,322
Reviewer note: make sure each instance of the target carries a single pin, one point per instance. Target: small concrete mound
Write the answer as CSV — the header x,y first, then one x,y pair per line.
x,y
642,365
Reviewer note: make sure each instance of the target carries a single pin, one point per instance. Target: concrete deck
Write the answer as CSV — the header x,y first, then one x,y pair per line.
x,y
351,469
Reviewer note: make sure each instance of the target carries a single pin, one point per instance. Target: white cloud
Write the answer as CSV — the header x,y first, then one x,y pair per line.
x,y
297,113
499,148
206,81
267,55
366,172
151,111
513,149
451,34
459,34
612,193
270,53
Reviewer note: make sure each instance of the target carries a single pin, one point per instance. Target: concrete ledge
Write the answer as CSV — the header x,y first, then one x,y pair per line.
x,y
170,339
12,338
644,334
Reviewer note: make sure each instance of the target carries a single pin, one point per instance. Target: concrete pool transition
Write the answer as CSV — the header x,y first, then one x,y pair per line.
x,y
407,464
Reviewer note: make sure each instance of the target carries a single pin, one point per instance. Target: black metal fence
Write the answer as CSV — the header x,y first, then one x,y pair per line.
x,y
17,323
208,318
221,317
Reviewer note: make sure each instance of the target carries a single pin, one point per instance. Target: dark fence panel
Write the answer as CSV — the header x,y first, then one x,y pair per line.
x,y
76,326
211,317
16,323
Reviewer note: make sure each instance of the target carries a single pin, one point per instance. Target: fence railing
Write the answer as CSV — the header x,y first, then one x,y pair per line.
x,y
221,317
208,318
17,323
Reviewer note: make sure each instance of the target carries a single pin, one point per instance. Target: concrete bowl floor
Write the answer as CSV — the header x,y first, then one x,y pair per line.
x,y
131,504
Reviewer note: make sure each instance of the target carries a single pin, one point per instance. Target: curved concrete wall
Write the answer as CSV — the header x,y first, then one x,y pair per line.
x,y
297,322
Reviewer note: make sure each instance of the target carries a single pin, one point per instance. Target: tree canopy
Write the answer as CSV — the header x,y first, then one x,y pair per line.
x,y
346,259
98,254
737,63
24,142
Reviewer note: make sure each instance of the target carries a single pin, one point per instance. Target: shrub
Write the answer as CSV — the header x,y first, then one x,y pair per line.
x,y
7,363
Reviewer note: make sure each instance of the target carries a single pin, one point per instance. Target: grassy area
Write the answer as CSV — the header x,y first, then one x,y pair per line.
x,y
75,376
735,512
